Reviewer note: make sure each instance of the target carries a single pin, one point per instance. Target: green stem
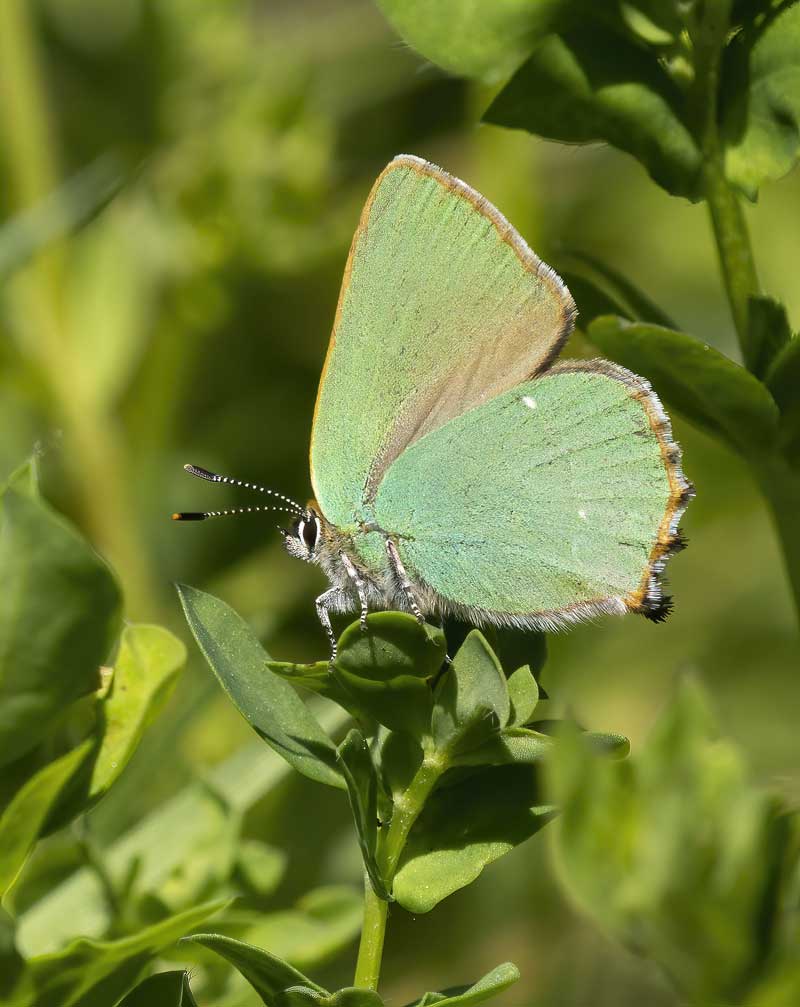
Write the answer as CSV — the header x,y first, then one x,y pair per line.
x,y
373,933
781,486
708,34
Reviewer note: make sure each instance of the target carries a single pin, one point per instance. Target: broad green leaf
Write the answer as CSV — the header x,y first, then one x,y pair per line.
x,y
23,819
768,333
489,986
260,866
523,692
600,290
400,758
316,678
12,963
59,615
386,669
361,778
593,85
470,38
760,100
145,670
319,926
710,390
268,703
675,850
471,699
512,745
97,973
465,827
165,989
268,975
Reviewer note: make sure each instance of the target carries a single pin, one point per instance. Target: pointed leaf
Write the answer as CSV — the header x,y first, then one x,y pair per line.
x,y
523,691
463,828
23,819
59,616
24,479
268,703
512,745
489,986
97,973
710,390
362,787
165,989
472,698
385,670
593,85
783,380
268,975
768,332
474,40
760,95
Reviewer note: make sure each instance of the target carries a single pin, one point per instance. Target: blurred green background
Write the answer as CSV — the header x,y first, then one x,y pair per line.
x,y
179,184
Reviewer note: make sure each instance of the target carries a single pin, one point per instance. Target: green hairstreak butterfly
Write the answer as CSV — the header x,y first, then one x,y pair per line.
x,y
458,470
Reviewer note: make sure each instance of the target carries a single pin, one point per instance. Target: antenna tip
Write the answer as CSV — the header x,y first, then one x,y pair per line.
x,y
188,467
187,516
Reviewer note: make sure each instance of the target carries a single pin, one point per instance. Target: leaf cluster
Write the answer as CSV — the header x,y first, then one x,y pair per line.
x,y
442,767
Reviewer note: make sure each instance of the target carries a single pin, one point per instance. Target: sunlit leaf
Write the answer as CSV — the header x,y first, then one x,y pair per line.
x,y
165,989
494,982
472,39
59,615
24,817
97,973
472,697
386,669
465,827
760,96
710,390
268,703
523,692
593,85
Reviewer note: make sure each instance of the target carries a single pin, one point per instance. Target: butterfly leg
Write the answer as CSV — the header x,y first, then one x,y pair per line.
x,y
361,590
402,576
329,599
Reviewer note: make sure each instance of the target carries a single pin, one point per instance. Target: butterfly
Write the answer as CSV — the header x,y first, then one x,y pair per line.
x,y
458,470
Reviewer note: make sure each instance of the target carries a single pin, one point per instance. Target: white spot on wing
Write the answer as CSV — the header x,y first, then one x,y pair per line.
x,y
529,402
582,515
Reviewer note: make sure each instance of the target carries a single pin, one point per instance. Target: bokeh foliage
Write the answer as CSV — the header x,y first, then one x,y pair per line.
x,y
179,187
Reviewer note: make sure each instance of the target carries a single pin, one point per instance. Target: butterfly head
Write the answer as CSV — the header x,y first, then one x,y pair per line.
x,y
304,538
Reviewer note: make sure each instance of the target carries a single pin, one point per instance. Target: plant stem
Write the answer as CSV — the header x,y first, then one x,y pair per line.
x,y
780,484
373,932
708,35
407,808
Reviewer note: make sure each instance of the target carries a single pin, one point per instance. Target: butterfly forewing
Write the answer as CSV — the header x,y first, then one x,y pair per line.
x,y
443,307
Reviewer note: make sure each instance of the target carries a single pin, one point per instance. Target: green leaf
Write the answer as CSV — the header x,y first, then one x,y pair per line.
x,y
512,745
165,989
594,85
268,703
600,290
145,670
523,691
97,973
260,866
24,479
471,699
768,333
400,758
783,380
472,39
319,926
23,819
489,986
760,100
12,964
386,669
59,615
463,828
316,678
710,390
638,840
268,975
362,787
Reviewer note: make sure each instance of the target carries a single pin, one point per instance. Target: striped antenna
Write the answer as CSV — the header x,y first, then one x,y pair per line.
x,y
213,477
205,515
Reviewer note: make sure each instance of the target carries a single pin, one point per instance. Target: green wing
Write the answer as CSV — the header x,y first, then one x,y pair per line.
x,y
443,307
558,500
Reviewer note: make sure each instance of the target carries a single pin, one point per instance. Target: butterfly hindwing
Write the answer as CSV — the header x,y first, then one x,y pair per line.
x,y
442,308
557,500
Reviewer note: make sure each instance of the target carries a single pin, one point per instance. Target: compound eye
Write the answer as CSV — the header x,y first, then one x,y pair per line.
x,y
308,532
